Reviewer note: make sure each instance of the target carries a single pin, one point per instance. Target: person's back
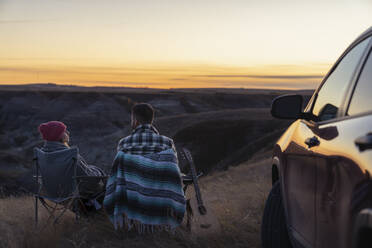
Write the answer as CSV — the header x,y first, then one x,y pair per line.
x,y
145,186
145,138
56,138
61,162
83,168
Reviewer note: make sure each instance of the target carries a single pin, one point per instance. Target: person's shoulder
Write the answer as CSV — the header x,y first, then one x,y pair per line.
x,y
166,138
124,140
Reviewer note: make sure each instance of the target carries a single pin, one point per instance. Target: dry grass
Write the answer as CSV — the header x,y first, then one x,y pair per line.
x,y
17,229
234,199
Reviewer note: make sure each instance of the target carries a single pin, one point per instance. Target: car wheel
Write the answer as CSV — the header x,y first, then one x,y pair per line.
x,y
274,232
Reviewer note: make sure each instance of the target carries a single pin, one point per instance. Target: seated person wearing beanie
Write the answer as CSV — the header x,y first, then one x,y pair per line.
x,y
56,137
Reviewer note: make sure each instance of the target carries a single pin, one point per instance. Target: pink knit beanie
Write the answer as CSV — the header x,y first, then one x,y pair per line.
x,y
52,130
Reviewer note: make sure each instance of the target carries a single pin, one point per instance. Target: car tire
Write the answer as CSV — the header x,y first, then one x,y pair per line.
x,y
274,232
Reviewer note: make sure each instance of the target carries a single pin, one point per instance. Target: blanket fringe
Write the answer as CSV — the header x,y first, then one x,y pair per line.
x,y
121,221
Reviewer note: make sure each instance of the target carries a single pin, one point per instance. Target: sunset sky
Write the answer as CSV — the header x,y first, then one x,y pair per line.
x,y
176,43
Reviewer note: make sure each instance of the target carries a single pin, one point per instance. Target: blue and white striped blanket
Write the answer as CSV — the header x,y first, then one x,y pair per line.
x,y
145,191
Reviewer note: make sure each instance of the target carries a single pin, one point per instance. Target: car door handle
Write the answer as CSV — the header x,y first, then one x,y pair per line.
x,y
364,142
311,142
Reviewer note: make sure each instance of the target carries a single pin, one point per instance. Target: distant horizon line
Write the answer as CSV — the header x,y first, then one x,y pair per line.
x,y
50,84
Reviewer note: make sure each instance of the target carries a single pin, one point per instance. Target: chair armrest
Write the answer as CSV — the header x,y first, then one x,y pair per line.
x,y
188,179
96,177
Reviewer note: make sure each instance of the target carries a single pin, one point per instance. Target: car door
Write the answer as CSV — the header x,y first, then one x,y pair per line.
x,y
340,164
299,181
304,178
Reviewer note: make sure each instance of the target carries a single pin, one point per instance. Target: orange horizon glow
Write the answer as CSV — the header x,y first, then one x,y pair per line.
x,y
176,44
170,76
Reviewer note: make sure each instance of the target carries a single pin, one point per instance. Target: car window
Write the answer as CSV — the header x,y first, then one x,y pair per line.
x,y
362,98
331,94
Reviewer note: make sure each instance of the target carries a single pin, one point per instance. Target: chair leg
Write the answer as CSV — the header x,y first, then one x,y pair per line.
x,y
36,211
66,207
51,211
56,219
77,210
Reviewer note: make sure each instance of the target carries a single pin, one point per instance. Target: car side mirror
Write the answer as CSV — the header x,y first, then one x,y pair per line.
x,y
287,107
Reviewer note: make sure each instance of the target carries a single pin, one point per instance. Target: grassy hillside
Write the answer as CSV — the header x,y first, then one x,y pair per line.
x,y
230,133
234,199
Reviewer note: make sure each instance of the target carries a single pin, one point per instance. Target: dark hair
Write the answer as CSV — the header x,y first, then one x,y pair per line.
x,y
143,112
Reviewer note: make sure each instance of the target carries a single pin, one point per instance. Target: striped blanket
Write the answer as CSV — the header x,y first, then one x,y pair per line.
x,y
145,191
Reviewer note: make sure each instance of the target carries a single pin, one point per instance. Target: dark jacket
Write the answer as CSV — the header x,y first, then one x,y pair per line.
x,y
83,169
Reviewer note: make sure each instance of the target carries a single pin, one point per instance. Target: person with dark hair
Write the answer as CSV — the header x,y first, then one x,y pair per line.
x,y
145,138
144,190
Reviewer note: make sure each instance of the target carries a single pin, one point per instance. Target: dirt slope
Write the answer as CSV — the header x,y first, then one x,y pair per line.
x,y
235,200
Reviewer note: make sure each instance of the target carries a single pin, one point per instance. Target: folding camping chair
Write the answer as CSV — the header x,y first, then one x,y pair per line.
x,y
59,187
